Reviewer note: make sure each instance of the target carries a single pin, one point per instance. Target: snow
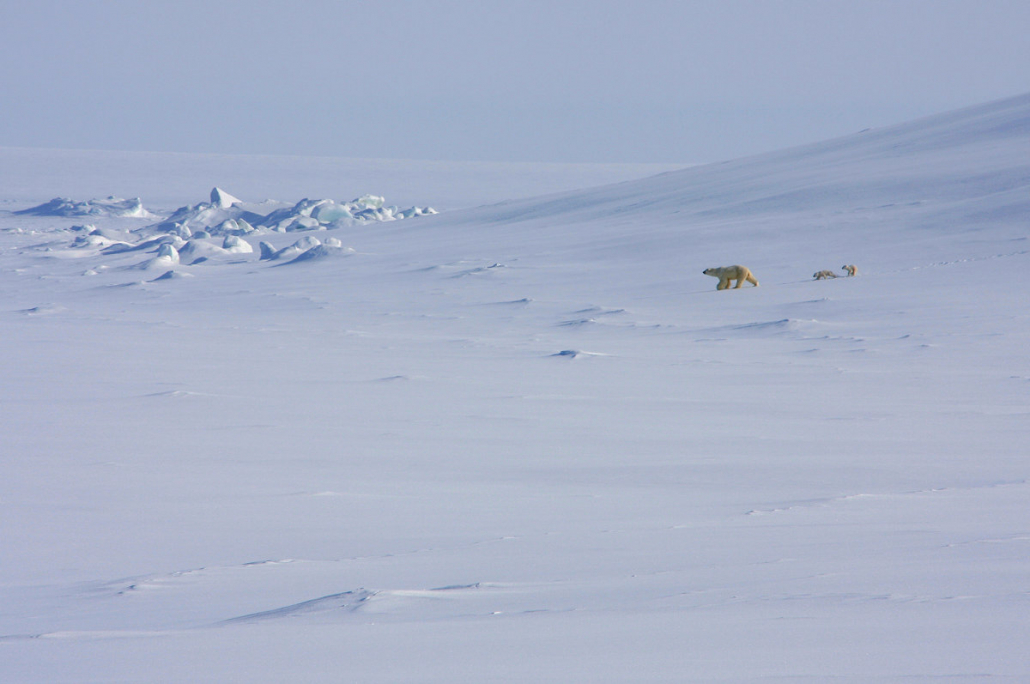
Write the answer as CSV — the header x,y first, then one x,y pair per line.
x,y
170,179
167,256
226,215
223,200
304,215
234,244
528,441
112,206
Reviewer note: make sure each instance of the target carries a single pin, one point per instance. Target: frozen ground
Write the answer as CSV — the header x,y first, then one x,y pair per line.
x,y
529,442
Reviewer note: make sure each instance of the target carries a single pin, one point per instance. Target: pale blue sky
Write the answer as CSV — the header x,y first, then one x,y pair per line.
x,y
557,80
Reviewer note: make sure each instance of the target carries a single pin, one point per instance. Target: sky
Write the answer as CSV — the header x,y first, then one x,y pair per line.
x,y
491,80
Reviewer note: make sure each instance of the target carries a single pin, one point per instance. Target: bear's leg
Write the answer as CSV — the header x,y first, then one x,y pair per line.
x,y
723,284
740,283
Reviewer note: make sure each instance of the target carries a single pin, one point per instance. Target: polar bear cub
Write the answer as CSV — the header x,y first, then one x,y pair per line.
x,y
850,269
727,273
820,275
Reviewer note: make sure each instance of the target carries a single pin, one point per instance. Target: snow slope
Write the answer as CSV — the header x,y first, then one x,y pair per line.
x,y
530,442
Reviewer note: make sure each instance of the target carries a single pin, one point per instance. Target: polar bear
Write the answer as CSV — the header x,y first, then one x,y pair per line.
x,y
819,275
727,273
850,269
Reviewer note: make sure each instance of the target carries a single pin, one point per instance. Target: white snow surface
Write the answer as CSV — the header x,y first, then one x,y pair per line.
x,y
529,442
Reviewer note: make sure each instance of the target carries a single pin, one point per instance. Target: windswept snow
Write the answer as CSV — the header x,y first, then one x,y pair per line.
x,y
529,441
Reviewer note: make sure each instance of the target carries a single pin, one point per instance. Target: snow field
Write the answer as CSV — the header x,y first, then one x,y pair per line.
x,y
531,442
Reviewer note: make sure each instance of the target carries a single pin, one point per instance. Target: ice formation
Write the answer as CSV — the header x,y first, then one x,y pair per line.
x,y
112,206
223,200
227,215
194,234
